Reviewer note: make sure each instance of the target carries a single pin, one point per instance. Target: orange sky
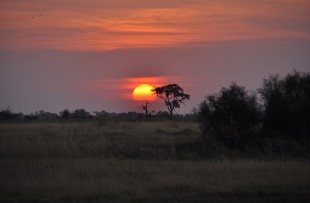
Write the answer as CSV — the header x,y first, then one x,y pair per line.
x,y
96,25
91,54
123,88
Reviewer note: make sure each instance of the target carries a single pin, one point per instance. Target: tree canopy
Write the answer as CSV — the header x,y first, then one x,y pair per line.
x,y
287,105
231,116
173,95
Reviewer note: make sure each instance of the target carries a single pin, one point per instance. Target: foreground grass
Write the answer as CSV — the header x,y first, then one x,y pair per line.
x,y
99,180
134,162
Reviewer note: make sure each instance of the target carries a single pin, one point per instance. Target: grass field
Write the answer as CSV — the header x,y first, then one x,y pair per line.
x,y
134,162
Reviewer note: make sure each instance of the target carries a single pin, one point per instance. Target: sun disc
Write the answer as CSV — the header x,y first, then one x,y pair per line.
x,y
143,92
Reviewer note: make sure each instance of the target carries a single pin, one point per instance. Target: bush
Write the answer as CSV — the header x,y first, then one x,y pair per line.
x,y
287,106
231,117
7,114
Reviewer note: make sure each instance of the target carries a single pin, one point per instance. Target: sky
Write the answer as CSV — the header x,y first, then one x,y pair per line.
x,y
91,54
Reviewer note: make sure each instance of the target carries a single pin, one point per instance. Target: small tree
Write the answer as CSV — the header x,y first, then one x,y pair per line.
x,y
172,95
81,114
65,114
145,107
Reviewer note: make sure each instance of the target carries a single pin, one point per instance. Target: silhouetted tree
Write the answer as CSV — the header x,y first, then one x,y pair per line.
x,y
172,95
7,114
231,117
287,105
30,117
81,114
42,115
65,114
145,107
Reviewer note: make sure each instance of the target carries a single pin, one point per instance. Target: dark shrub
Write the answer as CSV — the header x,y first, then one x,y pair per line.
x,y
7,114
231,117
287,105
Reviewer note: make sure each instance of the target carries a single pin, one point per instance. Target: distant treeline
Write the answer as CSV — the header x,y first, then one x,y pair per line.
x,y
8,115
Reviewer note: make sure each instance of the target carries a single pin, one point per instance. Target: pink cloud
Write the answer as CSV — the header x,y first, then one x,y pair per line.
x,y
107,25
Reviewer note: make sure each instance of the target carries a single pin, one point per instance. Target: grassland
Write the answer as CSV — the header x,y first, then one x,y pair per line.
x,y
134,162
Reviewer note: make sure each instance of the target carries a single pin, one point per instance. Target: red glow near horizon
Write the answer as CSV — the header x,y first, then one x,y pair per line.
x,y
129,85
123,87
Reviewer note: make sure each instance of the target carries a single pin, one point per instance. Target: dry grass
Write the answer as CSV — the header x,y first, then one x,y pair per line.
x,y
84,162
151,181
120,140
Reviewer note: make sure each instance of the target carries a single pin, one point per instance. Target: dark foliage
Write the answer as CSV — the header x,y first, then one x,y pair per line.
x,y
46,116
7,114
173,95
287,106
65,114
81,114
231,117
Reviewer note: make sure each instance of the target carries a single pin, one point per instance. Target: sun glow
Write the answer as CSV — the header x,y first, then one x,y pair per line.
x,y
143,92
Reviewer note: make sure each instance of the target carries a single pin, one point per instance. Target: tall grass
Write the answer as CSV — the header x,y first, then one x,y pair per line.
x,y
121,139
143,180
134,162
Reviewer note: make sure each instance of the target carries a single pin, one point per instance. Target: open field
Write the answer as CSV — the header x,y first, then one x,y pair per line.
x,y
134,162
135,140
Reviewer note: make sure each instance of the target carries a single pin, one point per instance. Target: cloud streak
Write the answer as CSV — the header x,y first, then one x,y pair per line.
x,y
97,25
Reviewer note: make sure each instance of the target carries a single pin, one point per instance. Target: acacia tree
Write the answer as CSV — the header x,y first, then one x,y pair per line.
x,y
173,95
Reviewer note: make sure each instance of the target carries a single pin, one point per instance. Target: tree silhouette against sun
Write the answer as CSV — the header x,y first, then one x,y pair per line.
x,y
173,95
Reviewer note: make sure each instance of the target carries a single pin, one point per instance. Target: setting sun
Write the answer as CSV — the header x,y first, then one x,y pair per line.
x,y
143,92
